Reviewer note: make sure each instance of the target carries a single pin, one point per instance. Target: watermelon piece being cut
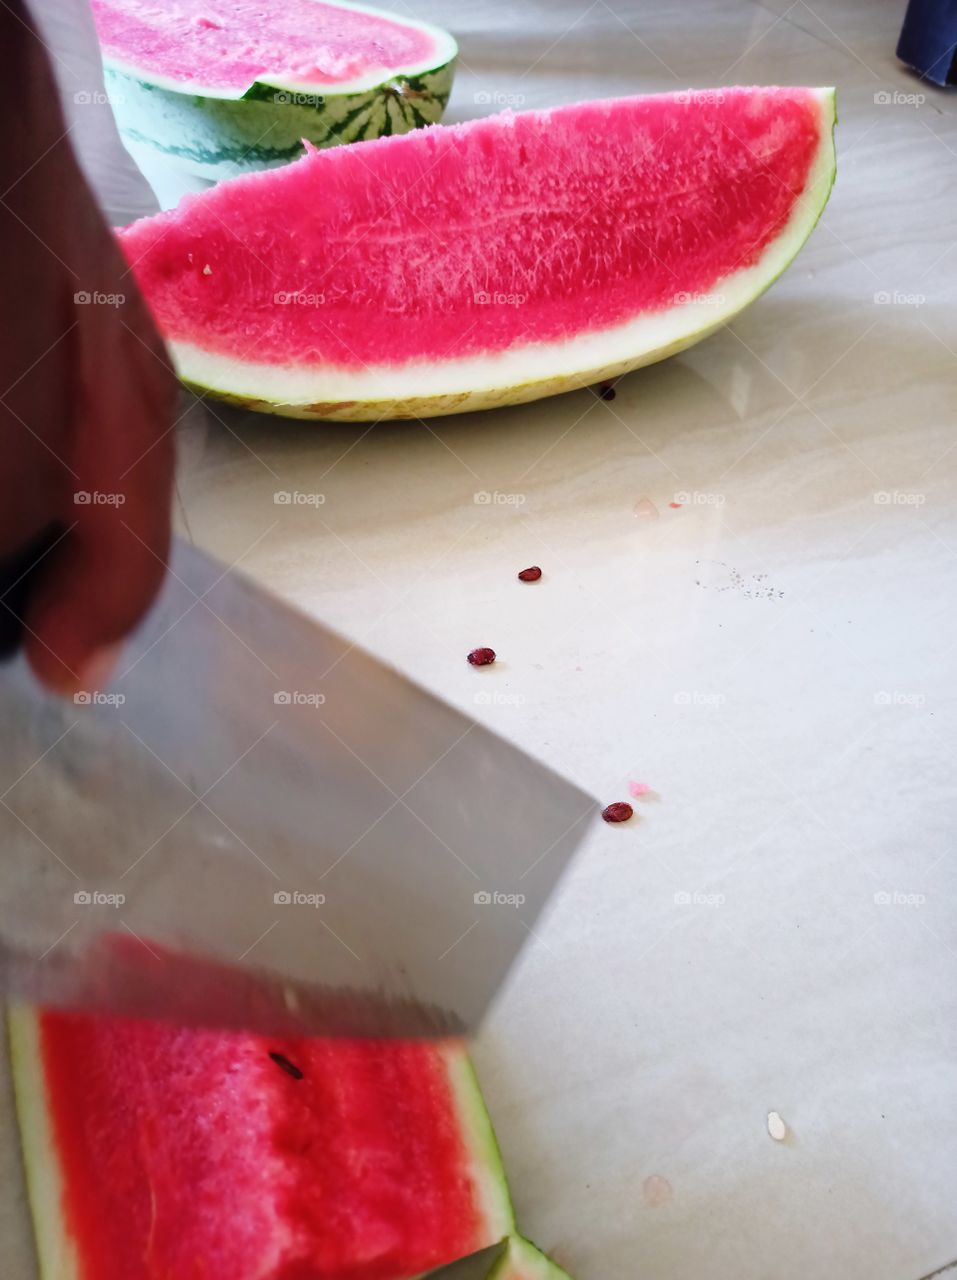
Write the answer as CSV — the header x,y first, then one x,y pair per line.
x,y
153,1151
221,87
488,263
522,1261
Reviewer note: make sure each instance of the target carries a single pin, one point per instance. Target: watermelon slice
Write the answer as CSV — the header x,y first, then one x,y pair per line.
x,y
156,1151
221,87
487,263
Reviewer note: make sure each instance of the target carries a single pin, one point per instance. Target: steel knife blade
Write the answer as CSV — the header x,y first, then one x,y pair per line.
x,y
260,825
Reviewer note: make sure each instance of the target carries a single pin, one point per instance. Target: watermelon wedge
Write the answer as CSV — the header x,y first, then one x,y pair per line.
x,y
489,263
221,87
153,1151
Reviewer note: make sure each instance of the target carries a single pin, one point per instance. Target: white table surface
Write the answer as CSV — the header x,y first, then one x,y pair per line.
x,y
775,657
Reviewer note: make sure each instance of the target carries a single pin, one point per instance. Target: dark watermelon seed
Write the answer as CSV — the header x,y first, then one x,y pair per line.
x,y
606,390
290,1068
481,657
617,812
531,574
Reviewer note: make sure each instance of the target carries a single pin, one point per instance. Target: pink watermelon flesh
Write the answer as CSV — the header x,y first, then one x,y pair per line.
x,y
466,240
229,44
195,1155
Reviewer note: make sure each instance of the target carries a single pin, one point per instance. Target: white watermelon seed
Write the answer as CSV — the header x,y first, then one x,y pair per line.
x,y
776,1127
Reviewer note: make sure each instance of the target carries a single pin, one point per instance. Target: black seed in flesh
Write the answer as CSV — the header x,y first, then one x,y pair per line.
x,y
290,1068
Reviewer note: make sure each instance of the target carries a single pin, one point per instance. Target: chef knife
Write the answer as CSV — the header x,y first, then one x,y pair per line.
x,y
259,825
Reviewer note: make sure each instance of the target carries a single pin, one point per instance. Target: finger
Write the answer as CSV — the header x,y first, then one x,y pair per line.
x,y
105,573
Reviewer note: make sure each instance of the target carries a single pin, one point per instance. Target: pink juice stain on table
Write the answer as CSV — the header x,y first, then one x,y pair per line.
x,y
657,1191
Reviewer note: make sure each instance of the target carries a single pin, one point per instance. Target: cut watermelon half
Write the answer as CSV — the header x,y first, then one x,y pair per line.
x,y
154,1151
488,263
221,87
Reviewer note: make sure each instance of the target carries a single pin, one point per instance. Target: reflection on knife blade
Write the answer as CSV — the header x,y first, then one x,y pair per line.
x,y
120,974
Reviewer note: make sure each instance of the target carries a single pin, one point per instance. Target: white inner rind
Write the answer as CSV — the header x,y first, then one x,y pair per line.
x,y
55,1249
530,362
444,50
488,1173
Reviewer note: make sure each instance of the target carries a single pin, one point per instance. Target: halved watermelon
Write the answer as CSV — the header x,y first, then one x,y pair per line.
x,y
157,1151
491,262
221,87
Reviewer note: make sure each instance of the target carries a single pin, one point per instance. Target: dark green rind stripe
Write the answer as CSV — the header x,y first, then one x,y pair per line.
x,y
356,130
353,118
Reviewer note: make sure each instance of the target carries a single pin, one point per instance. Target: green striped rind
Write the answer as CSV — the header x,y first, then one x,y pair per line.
x,y
221,137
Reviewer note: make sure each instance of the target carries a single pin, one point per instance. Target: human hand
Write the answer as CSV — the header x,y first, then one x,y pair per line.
x,y
87,395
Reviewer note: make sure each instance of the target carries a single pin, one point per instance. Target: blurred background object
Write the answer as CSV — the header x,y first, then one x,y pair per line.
x,y
929,40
